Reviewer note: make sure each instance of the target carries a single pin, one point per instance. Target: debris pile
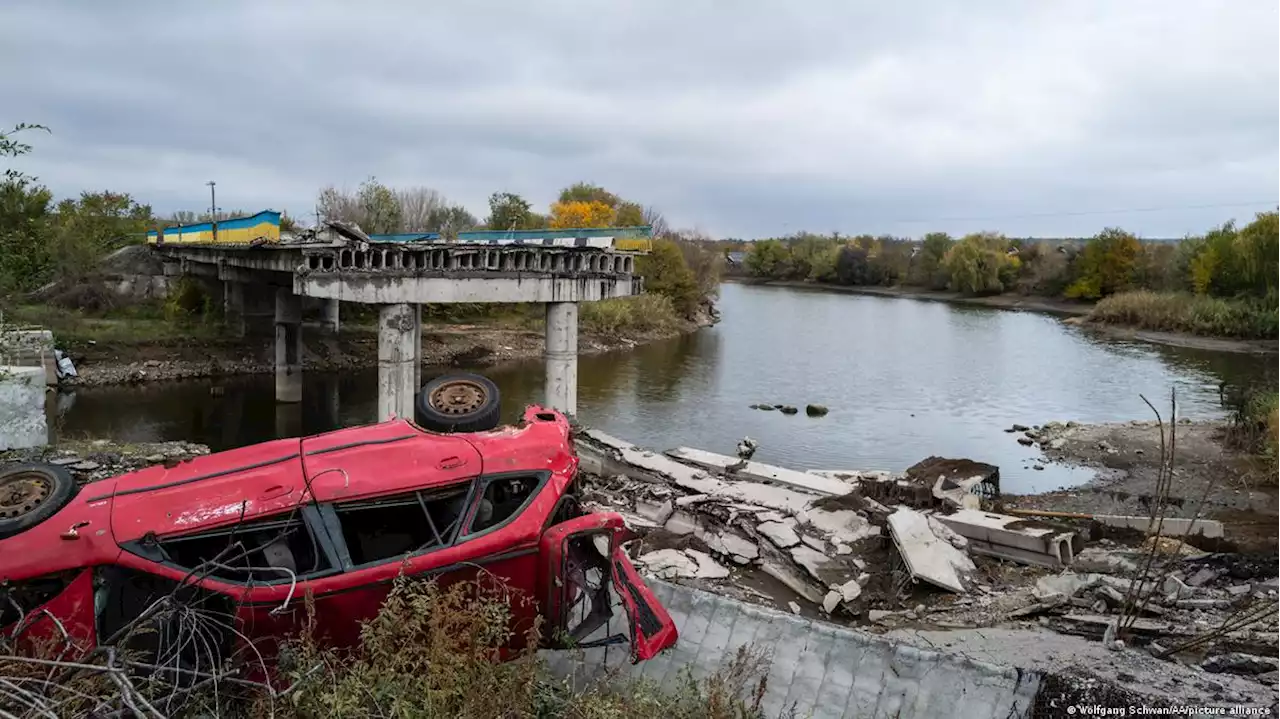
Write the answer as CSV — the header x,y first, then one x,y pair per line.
x,y
924,548
92,460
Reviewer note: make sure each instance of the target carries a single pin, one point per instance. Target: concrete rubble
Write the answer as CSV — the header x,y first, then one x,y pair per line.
x,y
923,549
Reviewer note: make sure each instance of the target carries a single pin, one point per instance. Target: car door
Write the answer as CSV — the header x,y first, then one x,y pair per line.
x,y
587,576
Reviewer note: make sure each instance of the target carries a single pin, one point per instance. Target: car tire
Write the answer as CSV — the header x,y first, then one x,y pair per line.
x,y
31,493
459,402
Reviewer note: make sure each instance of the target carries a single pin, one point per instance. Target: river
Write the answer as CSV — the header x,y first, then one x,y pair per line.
x,y
904,379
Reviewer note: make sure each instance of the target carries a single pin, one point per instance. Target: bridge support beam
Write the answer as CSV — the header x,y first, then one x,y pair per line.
x,y
399,340
288,346
329,316
562,356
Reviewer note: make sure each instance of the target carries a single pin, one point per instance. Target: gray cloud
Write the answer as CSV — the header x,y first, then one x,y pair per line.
x,y
744,119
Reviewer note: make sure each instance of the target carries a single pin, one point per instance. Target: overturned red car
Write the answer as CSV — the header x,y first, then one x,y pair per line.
x,y
316,529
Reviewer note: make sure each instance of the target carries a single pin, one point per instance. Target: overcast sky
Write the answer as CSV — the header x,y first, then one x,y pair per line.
x,y
739,118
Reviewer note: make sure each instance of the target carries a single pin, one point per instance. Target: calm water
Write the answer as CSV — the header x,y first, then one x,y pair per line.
x,y
904,380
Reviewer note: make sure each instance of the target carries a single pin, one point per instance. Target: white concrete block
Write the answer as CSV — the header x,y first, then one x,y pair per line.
x,y
22,420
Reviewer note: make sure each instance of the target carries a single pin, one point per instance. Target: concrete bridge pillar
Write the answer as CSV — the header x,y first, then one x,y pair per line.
x,y
329,316
562,356
288,346
399,339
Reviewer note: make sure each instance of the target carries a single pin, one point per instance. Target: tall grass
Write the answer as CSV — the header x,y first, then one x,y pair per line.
x,y
631,315
1248,318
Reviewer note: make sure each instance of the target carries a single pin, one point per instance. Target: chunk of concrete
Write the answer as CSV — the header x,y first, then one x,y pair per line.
x,y
843,526
668,564
831,601
1105,561
708,567
1240,663
682,522
1169,527
927,557
658,512
782,534
1202,577
790,478
1015,538
22,411
850,590
739,549
818,565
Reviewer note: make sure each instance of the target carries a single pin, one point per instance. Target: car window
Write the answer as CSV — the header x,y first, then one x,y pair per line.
x,y
381,529
503,498
264,550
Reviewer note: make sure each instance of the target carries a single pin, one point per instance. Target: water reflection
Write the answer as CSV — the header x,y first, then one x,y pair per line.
x,y
903,379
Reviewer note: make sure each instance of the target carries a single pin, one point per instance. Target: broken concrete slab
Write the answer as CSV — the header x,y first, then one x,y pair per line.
x,y
1015,538
668,563
708,567
1106,561
782,534
739,549
844,526
681,522
761,472
1240,663
656,512
927,557
1170,527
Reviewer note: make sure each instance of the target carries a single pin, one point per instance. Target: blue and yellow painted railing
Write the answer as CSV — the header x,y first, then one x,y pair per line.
x,y
264,226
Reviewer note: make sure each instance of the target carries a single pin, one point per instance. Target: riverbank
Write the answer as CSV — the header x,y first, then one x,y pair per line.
x,y
123,362
1073,312
1003,302
1209,477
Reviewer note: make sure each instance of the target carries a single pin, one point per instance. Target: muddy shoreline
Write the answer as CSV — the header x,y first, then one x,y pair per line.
x,y
101,364
1074,313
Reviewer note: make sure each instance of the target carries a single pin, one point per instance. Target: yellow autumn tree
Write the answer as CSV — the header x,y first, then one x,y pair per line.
x,y
578,213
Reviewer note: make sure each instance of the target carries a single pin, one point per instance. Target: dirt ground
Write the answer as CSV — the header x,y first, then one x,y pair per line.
x,y
1237,489
105,363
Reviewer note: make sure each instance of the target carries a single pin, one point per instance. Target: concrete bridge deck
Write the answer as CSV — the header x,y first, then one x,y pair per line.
x,y
339,263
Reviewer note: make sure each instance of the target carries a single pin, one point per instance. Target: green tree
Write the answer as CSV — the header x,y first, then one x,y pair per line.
x,y
1258,248
24,219
509,211
630,214
92,226
587,192
666,273
768,259
1107,265
974,264
926,268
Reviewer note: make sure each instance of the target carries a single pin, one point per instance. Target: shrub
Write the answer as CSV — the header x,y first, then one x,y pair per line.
x,y
666,273
629,315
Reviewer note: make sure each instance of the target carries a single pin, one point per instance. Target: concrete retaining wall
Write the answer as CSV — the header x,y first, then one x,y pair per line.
x,y
824,670
22,420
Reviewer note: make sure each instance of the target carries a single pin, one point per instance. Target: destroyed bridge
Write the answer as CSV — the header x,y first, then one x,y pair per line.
x,y
264,281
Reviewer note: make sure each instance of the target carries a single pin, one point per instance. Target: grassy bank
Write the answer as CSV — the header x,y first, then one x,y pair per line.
x,y
134,324
1250,318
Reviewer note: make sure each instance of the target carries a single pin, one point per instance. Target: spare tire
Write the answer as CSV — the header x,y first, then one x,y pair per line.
x,y
459,402
31,493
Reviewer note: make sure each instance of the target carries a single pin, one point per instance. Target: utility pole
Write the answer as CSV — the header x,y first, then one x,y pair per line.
x,y
213,208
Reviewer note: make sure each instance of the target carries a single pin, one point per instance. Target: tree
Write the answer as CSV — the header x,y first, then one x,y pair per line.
x,y
1107,265
92,226
654,218
580,213
630,214
24,219
974,265
587,192
926,268
1258,248
448,221
666,273
420,209
509,211
768,258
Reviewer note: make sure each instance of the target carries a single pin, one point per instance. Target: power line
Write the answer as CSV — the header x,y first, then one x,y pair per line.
x,y
1082,213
